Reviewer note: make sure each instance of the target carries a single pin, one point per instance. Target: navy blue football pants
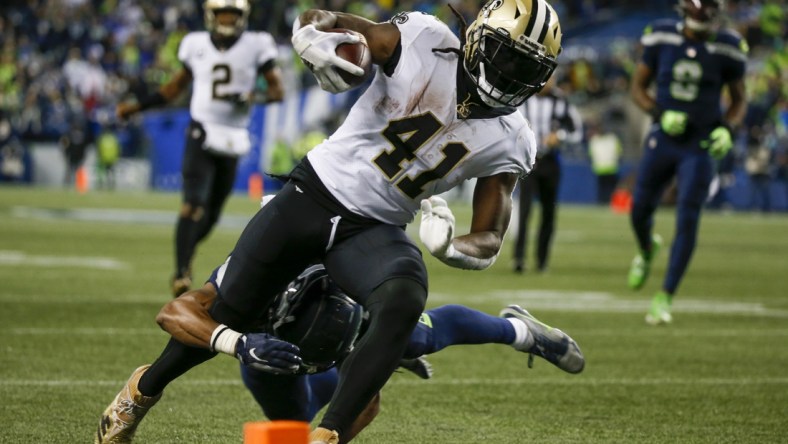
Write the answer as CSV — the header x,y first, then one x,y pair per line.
x,y
664,159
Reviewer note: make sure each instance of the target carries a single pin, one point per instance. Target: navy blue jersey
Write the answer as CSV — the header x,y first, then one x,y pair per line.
x,y
690,74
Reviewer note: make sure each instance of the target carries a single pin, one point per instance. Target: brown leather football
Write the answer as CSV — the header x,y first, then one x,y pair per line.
x,y
357,54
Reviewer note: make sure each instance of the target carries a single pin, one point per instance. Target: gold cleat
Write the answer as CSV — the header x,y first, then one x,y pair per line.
x,y
323,436
121,418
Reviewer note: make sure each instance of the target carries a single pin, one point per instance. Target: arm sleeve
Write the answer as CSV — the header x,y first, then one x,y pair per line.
x,y
419,35
184,51
735,65
649,43
268,50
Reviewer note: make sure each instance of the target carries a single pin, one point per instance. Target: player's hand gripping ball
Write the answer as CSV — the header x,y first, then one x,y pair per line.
x,y
357,54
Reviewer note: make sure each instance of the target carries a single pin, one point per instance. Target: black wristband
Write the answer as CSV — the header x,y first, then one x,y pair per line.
x,y
152,100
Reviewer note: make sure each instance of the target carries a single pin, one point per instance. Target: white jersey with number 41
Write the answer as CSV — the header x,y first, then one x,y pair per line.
x,y
404,141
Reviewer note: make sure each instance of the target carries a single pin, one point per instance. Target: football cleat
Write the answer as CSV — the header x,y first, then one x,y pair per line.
x,y
549,343
659,313
121,418
418,366
181,284
641,265
323,436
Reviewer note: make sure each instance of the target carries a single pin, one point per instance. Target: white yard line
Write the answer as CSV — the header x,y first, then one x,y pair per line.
x,y
20,258
88,331
118,215
601,302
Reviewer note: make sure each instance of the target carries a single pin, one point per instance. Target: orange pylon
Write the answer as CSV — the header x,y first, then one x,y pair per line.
x,y
255,186
276,432
81,180
621,201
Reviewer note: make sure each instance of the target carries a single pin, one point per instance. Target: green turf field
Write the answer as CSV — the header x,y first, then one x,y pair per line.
x,y
82,278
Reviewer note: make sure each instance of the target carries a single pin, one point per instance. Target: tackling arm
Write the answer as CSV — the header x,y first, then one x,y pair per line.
x,y
186,318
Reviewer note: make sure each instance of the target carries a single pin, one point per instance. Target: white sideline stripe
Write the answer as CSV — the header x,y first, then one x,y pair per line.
x,y
578,332
77,299
84,331
16,258
549,300
112,215
574,381
601,302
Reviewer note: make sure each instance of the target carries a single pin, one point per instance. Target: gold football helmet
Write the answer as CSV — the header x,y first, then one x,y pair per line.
x,y
212,25
511,50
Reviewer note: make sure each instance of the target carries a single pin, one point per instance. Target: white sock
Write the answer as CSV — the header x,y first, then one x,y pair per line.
x,y
523,339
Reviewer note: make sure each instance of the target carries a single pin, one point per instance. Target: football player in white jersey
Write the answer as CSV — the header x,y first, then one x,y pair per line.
x,y
440,110
223,64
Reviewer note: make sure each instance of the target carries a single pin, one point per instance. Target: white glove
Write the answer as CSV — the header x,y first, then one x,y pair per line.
x,y
318,49
437,226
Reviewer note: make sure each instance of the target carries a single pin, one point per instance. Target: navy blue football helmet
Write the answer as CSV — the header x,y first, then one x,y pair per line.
x,y
701,15
318,317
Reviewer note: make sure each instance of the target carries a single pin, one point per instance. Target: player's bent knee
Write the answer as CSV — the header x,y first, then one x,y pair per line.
x,y
398,298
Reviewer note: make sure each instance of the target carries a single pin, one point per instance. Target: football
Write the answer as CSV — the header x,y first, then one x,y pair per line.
x,y
357,54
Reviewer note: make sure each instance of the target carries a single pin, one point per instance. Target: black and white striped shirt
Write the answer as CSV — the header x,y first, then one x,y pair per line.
x,y
549,113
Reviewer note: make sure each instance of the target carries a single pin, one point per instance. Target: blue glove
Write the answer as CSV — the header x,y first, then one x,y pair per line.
x,y
720,141
264,352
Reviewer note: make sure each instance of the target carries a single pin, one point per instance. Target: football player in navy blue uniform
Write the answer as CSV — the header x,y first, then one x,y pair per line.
x,y
321,324
692,62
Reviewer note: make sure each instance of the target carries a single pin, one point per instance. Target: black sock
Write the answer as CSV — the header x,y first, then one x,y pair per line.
x,y
175,360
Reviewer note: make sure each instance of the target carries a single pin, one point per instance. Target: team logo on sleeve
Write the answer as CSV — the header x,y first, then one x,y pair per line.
x,y
399,18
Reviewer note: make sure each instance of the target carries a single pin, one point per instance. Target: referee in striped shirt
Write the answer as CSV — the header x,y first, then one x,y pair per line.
x,y
555,122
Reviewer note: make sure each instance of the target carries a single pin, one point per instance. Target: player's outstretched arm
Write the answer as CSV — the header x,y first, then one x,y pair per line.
x,y
166,94
477,250
188,320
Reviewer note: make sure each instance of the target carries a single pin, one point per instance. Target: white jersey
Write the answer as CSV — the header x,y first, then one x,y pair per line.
x,y
403,140
219,75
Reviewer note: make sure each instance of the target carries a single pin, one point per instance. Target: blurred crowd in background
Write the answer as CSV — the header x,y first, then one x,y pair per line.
x,y
64,64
